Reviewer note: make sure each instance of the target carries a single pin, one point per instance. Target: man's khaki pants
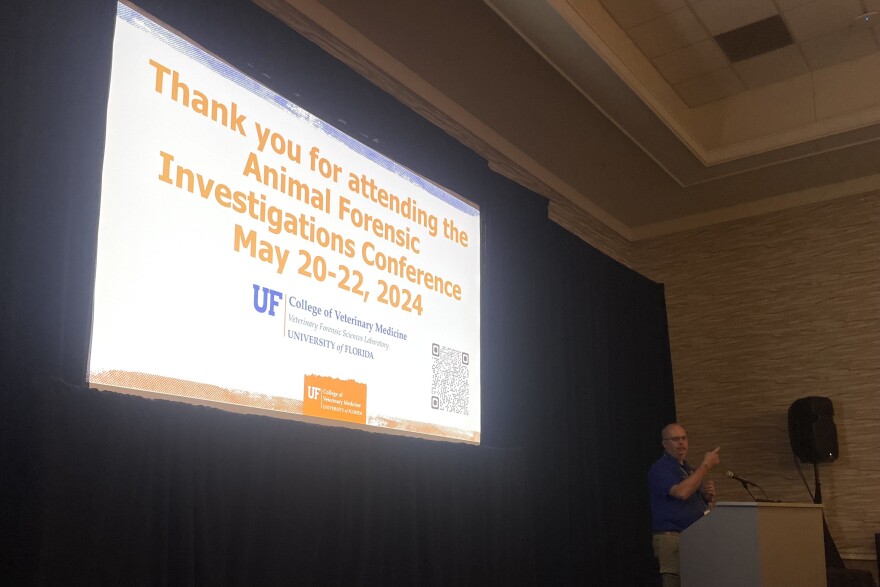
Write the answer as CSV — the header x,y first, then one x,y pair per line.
x,y
666,551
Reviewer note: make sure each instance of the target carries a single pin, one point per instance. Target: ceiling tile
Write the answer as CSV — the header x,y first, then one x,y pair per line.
x,y
668,33
755,39
771,67
847,87
691,61
838,47
721,16
820,18
754,114
708,87
789,4
630,13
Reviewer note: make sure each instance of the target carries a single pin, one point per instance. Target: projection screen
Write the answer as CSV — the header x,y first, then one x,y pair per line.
x,y
255,258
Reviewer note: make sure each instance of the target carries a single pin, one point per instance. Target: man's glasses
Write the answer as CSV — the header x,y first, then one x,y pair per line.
x,y
676,438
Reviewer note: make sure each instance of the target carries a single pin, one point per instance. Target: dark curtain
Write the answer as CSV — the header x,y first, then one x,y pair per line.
x,y
120,490
103,489
604,393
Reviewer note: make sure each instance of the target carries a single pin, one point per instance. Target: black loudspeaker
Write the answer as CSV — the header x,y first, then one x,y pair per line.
x,y
812,431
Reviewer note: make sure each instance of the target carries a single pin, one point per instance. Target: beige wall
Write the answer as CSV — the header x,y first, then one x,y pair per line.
x,y
766,310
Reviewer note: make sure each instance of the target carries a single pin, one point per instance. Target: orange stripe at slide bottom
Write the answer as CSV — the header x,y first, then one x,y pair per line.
x,y
326,397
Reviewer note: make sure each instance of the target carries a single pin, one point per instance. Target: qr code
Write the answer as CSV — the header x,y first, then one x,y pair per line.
x,y
449,387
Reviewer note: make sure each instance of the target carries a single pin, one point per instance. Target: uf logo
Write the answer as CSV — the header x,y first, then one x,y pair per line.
x,y
269,299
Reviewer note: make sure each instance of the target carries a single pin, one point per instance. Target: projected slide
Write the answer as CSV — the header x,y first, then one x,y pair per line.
x,y
252,256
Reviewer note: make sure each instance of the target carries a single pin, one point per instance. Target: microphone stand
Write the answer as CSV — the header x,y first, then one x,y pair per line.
x,y
745,485
764,499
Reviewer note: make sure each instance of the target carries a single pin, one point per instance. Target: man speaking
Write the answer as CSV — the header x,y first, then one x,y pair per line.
x,y
680,495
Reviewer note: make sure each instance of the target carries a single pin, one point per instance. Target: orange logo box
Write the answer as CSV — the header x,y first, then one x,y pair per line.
x,y
326,397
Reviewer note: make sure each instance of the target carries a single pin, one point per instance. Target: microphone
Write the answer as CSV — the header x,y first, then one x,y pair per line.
x,y
741,480
746,483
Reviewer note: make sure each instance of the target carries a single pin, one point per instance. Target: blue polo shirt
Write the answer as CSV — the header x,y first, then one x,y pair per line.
x,y
667,512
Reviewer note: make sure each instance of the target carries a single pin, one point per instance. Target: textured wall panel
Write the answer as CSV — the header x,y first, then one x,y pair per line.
x,y
766,310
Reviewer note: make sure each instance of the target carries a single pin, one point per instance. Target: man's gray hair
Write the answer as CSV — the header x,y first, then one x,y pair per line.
x,y
666,429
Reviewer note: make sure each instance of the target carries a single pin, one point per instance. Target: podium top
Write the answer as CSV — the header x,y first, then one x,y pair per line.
x,y
768,504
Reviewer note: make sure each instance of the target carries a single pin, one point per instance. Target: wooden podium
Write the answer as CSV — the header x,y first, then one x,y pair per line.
x,y
748,544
